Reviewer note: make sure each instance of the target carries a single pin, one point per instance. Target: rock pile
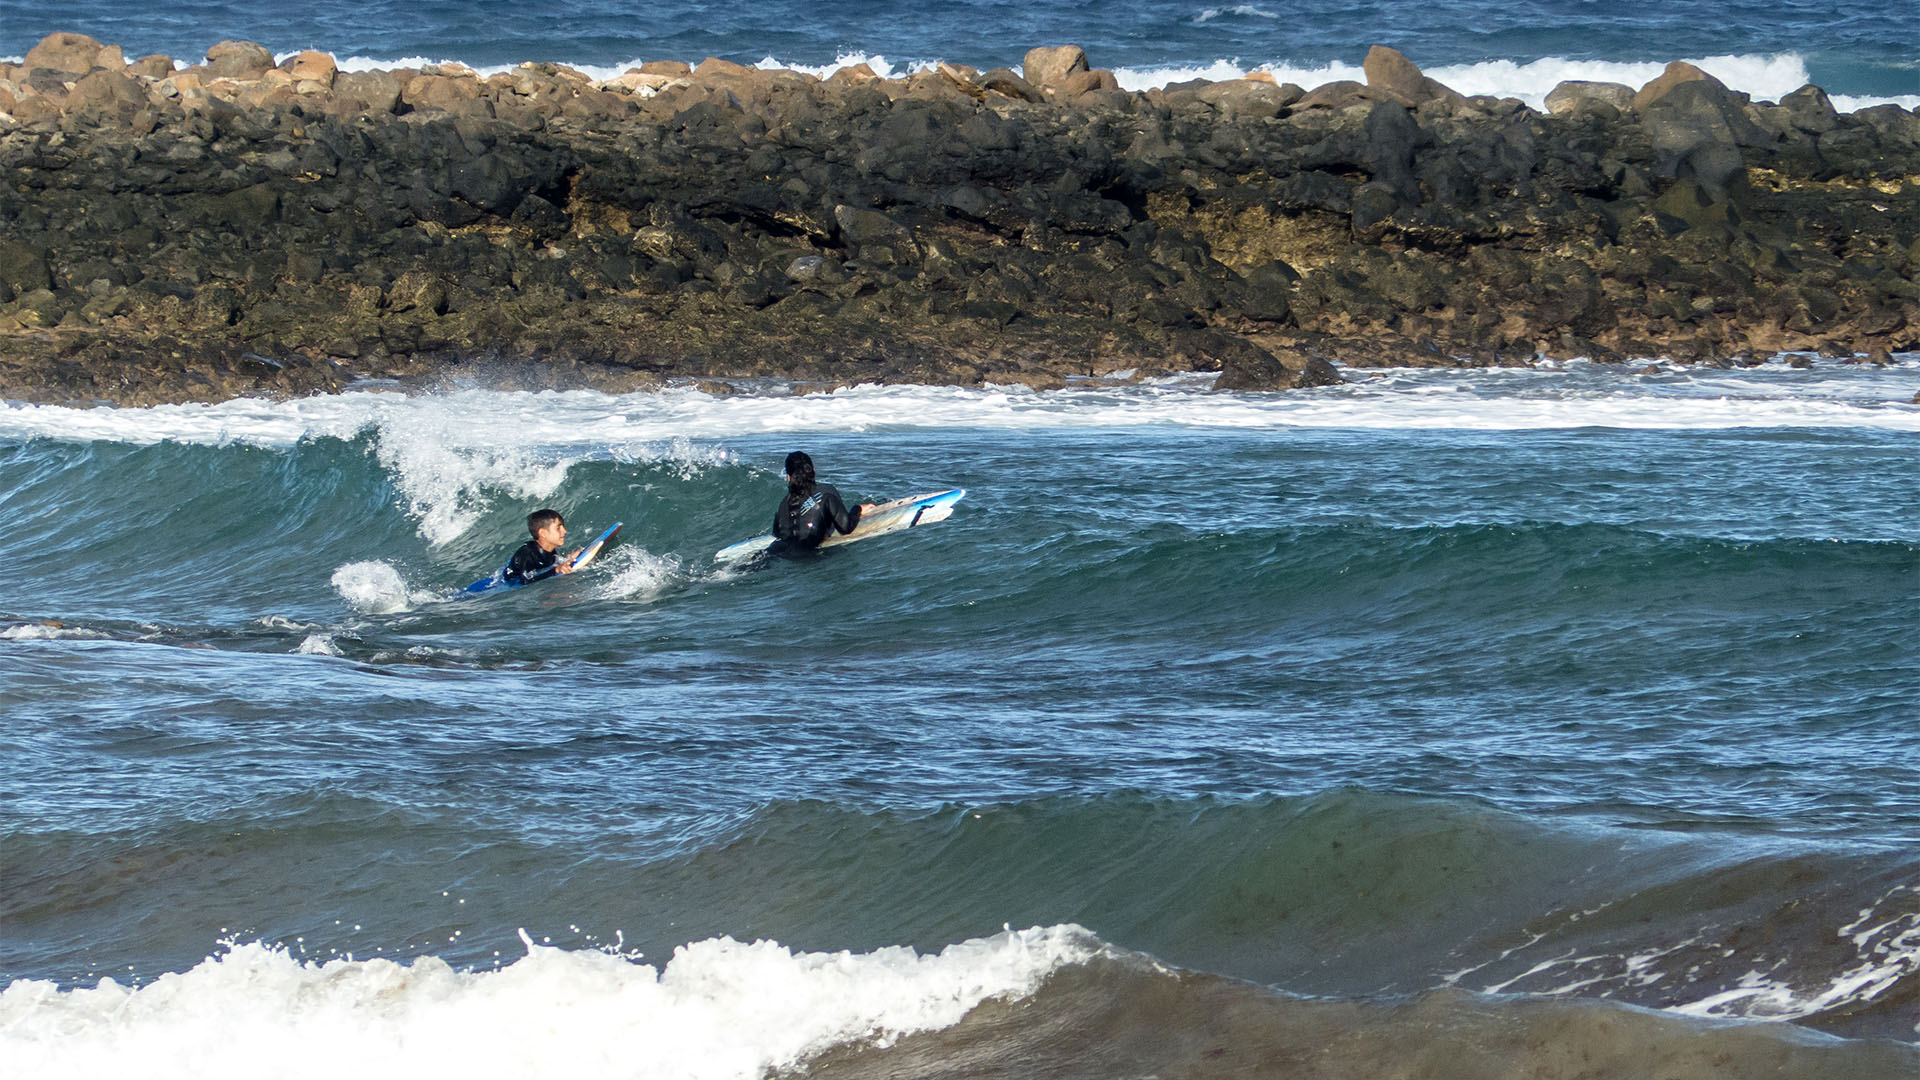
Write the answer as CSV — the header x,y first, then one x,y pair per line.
x,y
242,225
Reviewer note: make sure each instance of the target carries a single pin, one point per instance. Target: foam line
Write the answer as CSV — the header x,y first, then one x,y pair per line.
x,y
718,1010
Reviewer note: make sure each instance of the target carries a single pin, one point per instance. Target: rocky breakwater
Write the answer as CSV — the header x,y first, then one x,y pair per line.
x,y
244,225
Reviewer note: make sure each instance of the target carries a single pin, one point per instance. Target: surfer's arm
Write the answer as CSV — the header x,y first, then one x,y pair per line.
x,y
843,519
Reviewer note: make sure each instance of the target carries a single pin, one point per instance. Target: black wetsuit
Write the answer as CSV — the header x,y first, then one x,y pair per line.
x,y
530,563
805,518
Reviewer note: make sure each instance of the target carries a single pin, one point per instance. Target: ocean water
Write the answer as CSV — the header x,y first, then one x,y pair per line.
x,y
1443,723
1862,51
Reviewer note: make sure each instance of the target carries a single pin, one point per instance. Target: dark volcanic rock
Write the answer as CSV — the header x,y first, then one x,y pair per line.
x,y
162,227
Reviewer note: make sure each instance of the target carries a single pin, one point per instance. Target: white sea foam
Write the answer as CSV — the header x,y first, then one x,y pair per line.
x,y
46,632
629,573
875,61
444,469
1245,11
452,453
1766,77
1888,952
374,588
719,1010
318,645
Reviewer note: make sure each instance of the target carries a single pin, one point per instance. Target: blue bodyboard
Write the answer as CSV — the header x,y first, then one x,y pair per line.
x,y
498,580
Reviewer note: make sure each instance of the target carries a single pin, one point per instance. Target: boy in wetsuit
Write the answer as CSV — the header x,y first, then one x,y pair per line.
x,y
536,558
811,511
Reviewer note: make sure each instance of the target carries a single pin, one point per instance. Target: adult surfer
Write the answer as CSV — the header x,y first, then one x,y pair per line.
x,y
810,512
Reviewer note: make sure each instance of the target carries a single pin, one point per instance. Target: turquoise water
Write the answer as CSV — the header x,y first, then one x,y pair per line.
x,y
1587,687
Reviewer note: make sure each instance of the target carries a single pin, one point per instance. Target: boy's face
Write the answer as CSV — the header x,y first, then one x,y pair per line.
x,y
551,535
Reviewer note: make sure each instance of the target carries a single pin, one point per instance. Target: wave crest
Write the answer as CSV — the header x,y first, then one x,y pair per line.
x,y
717,1010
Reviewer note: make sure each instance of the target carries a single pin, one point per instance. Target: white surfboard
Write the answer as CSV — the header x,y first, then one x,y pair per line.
x,y
884,518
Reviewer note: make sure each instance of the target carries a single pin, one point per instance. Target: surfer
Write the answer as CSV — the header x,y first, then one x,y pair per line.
x,y
811,511
536,558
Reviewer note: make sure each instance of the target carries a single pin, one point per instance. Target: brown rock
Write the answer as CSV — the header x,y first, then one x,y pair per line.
x,y
37,108
1389,69
1048,67
1087,82
312,66
634,81
153,66
713,68
1005,82
962,76
1677,72
75,54
238,60
670,68
1332,95
447,93
105,90
1249,97
1393,74
1567,96
379,89
856,75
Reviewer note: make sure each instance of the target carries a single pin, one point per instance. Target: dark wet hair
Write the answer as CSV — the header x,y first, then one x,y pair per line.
x,y
799,471
540,519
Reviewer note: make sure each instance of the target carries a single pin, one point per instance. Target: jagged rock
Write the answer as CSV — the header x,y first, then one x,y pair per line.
x,y
1268,295
379,91
1567,96
854,75
403,220
1248,97
23,268
1284,369
634,80
1811,110
1048,68
311,67
459,95
1389,71
238,60
105,89
1332,95
1697,132
74,54
1086,82
1004,81
1676,74
715,70
37,309
152,66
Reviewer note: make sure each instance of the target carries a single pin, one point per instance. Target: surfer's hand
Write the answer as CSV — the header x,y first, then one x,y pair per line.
x,y
866,508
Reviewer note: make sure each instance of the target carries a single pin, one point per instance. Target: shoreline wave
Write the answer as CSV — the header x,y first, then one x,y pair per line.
x,y
459,431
